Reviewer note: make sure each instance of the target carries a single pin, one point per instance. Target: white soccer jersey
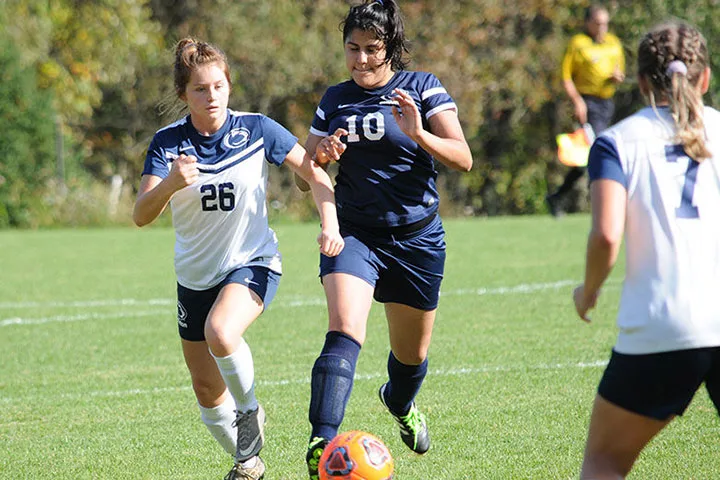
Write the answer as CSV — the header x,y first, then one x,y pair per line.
x,y
671,293
221,220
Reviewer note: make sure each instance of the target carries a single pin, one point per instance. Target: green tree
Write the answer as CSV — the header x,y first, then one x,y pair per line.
x,y
283,55
97,58
27,141
106,66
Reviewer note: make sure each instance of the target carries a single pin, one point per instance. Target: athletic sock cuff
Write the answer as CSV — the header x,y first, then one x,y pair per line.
x,y
404,369
341,345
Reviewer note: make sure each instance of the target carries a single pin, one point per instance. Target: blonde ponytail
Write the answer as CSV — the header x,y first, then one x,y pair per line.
x,y
673,57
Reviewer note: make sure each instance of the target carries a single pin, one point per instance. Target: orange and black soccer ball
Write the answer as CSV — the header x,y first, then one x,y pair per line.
x,y
356,456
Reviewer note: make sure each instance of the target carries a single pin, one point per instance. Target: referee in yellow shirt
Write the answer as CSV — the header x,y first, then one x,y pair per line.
x,y
593,65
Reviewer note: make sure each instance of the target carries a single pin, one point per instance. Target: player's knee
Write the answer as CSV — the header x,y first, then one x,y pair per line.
x,y
220,341
207,393
353,328
411,355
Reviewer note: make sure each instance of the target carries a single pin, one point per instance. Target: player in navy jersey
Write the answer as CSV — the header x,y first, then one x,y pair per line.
x,y
385,127
212,167
655,176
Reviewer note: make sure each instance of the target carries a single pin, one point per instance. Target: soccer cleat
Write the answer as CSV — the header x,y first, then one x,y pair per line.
x,y
250,434
553,206
413,427
314,452
240,472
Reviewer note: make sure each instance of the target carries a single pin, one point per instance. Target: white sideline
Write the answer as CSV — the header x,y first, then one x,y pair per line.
x,y
280,303
85,316
522,288
306,380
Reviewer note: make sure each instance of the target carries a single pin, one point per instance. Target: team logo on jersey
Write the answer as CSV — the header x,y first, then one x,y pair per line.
x,y
236,138
388,100
182,315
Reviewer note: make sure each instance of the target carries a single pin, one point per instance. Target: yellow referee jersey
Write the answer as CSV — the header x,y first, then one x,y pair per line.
x,y
590,65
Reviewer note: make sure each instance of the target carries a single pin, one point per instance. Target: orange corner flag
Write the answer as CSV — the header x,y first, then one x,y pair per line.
x,y
573,148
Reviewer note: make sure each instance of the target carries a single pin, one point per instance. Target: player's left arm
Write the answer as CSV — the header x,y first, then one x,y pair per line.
x,y
302,165
609,206
445,141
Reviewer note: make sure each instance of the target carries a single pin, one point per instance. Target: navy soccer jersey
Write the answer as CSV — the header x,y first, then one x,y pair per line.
x,y
221,220
384,178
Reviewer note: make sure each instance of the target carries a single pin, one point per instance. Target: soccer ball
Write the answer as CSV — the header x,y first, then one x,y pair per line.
x,y
356,456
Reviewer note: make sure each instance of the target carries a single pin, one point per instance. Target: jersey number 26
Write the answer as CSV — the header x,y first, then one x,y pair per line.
x,y
221,196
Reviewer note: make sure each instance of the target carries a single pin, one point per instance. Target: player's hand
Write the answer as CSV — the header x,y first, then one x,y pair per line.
x,y
184,171
584,304
581,111
406,114
331,242
330,148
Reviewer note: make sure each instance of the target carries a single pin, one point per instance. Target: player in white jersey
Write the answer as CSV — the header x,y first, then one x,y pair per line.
x,y
655,177
211,167
385,127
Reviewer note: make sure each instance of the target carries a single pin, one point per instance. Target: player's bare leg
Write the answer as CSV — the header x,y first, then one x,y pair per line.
x,y
410,334
615,439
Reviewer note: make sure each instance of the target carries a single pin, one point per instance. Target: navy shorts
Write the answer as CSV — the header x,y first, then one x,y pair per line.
x,y
403,265
194,305
660,385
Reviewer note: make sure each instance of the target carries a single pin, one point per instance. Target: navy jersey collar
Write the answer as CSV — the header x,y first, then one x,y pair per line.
x,y
208,139
385,89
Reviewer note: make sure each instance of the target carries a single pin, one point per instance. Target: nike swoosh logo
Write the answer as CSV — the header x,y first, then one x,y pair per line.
x,y
345,105
250,282
245,452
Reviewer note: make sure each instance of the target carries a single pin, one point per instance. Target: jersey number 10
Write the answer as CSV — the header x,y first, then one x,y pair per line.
x,y
370,131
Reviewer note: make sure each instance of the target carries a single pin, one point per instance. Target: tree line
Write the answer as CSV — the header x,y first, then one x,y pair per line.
x,y
85,84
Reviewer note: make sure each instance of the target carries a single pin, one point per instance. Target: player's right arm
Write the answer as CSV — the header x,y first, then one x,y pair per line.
x,y
310,145
155,192
609,207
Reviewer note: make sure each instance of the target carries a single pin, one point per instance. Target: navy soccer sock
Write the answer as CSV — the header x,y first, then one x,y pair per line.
x,y
404,384
332,381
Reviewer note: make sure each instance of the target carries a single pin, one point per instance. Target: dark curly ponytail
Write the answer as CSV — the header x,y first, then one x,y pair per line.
x,y
383,18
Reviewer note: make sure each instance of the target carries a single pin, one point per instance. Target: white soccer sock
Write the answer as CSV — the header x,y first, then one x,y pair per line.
x,y
239,374
219,421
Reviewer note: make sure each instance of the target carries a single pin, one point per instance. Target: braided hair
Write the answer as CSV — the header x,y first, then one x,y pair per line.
x,y
672,57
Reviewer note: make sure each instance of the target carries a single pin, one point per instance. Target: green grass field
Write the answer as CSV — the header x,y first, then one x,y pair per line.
x,y
93,384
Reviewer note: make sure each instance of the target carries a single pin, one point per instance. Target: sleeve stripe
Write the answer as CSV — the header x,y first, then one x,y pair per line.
x,y
441,108
433,91
317,132
320,113
604,161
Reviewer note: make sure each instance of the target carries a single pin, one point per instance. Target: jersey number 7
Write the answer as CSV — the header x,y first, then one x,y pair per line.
x,y
686,208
